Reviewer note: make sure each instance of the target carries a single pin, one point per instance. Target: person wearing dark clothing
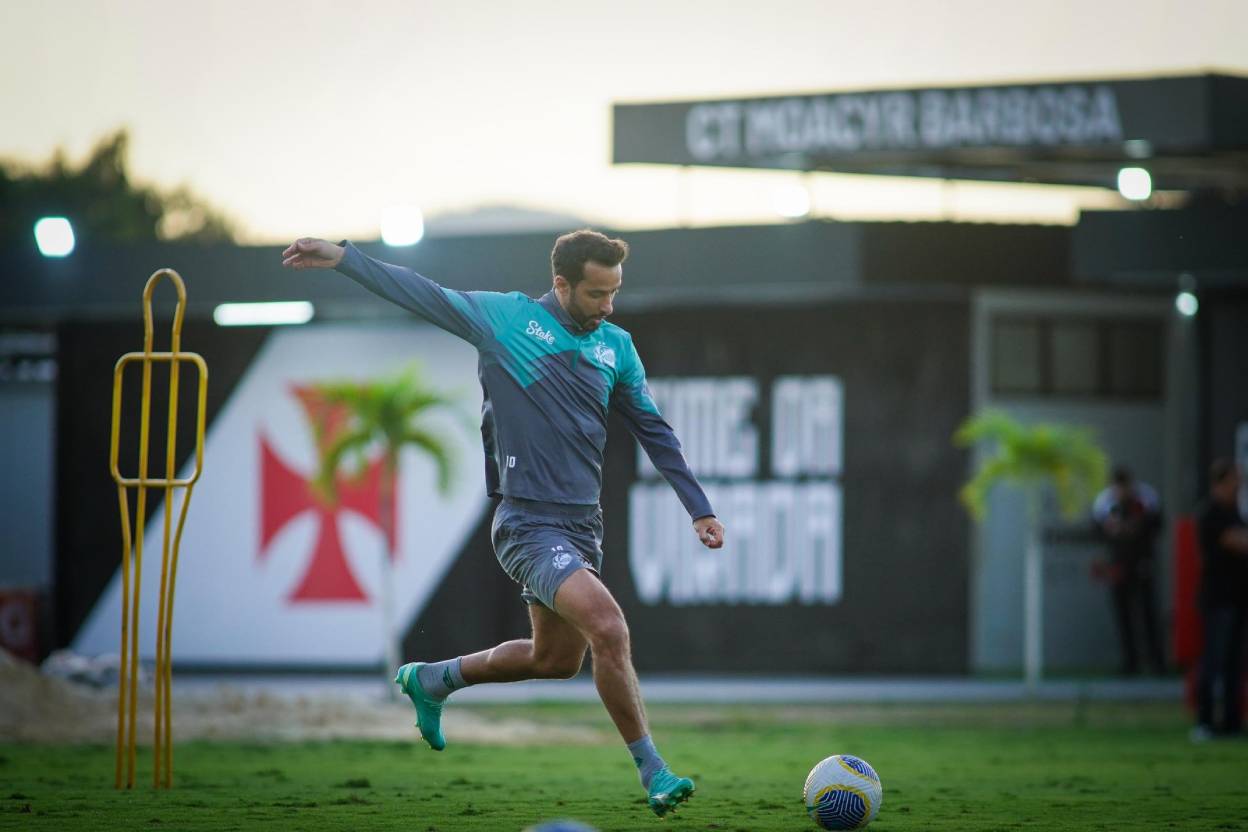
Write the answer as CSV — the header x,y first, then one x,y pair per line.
x,y
1128,518
1224,602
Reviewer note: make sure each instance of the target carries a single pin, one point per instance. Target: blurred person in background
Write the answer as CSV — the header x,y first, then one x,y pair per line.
x,y
1223,538
1128,519
550,369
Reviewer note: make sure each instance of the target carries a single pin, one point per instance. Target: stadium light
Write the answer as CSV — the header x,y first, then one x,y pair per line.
x,y
263,314
54,236
402,225
1135,184
1186,304
792,201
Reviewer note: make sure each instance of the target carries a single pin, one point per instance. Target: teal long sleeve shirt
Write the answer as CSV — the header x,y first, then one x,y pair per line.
x,y
548,386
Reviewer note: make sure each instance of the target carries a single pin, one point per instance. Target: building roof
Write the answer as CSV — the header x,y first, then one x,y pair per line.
x,y
787,263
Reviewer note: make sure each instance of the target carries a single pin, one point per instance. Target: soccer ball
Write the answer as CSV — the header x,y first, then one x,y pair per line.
x,y
842,792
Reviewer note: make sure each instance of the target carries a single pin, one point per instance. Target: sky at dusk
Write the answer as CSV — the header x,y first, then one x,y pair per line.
x,y
310,117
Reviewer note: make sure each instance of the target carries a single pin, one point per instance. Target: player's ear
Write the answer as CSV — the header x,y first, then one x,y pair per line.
x,y
561,284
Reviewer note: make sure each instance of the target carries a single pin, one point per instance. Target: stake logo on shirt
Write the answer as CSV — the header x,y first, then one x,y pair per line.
x,y
535,329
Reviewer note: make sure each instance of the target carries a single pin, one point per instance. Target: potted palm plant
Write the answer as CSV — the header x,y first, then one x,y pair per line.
x,y
1063,460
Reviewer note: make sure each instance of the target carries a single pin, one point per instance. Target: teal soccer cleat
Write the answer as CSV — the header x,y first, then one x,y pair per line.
x,y
667,791
428,709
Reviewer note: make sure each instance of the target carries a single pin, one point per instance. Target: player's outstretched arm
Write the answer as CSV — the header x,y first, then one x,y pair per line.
x,y
456,312
312,253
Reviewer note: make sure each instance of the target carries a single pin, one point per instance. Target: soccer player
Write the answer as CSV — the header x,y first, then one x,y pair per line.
x,y
549,368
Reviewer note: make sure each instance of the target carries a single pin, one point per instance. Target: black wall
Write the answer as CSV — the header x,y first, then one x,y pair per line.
x,y
904,369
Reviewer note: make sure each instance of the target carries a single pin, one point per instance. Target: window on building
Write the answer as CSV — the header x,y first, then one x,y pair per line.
x,y
1077,357
1016,357
1075,352
1135,359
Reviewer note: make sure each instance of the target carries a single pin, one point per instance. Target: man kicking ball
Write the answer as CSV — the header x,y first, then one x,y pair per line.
x,y
550,369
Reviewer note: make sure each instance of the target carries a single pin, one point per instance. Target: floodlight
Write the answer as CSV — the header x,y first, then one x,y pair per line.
x,y
792,201
1135,183
1186,304
54,236
402,225
263,314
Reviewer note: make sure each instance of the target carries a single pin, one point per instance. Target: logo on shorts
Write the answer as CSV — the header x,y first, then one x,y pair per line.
x,y
561,558
605,355
535,329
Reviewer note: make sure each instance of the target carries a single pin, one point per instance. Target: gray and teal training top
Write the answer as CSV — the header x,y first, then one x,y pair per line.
x,y
548,385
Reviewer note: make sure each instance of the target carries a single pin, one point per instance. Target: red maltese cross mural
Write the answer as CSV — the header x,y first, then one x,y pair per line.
x,y
286,494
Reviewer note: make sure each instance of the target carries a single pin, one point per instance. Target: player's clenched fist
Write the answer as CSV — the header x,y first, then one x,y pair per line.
x,y
710,532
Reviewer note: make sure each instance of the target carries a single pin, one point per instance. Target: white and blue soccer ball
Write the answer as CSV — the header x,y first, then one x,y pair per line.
x,y
842,792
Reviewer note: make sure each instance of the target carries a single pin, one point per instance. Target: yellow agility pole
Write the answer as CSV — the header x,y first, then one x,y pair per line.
x,y
132,539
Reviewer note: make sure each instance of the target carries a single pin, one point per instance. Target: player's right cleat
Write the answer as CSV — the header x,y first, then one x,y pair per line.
x,y
428,709
667,791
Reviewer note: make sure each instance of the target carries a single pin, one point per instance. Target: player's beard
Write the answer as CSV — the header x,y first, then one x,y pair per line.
x,y
586,322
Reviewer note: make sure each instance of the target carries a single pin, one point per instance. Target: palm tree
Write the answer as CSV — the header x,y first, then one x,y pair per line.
x,y
387,413
1065,459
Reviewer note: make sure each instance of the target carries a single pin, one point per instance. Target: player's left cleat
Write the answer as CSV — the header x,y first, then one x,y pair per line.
x,y
667,791
428,709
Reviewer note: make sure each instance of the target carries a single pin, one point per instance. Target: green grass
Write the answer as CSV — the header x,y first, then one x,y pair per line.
x,y
1098,767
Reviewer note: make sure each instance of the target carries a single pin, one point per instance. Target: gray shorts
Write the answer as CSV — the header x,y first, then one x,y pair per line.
x,y
541,544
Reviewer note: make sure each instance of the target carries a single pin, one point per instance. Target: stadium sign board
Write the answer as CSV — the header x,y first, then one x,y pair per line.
x,y
982,132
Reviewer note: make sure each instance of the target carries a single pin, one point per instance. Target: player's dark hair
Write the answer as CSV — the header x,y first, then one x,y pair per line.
x,y
1122,476
1220,470
574,249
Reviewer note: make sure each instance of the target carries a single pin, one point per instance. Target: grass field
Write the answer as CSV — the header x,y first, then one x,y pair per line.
x,y
1095,767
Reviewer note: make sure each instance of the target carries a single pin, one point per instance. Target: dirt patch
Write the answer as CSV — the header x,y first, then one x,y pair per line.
x,y
39,708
